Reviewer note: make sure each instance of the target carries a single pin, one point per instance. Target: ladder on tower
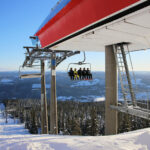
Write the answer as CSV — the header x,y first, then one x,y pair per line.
x,y
124,75
130,104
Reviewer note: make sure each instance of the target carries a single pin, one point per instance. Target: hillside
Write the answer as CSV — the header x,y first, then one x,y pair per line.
x,y
13,136
11,87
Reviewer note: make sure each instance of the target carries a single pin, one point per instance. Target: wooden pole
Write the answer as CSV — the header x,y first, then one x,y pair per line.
x,y
53,101
44,116
111,118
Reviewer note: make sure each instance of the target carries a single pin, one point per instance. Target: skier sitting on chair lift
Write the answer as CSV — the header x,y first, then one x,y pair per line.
x,y
84,74
80,73
88,74
76,76
71,74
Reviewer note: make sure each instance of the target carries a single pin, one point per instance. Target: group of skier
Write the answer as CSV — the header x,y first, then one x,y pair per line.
x,y
82,74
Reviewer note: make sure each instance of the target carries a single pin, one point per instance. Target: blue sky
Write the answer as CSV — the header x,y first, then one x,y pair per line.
x,y
21,18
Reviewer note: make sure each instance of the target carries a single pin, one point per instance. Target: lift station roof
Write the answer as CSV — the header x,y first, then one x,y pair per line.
x,y
90,25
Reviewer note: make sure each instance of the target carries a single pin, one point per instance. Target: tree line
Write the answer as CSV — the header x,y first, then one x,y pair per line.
x,y
74,117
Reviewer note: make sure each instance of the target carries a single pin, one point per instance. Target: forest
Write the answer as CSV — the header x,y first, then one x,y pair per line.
x,y
74,117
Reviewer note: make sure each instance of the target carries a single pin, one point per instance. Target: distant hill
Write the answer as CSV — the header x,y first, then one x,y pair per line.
x,y
11,87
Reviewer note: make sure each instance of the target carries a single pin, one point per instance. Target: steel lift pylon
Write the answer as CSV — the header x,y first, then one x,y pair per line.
x,y
35,55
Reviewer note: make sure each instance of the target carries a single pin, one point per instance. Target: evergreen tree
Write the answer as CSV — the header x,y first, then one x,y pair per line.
x,y
146,123
76,130
125,123
94,122
87,127
134,123
68,129
33,125
91,125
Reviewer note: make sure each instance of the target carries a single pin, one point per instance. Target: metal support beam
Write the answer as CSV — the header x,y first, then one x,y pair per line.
x,y
128,75
53,101
33,75
135,111
44,116
111,119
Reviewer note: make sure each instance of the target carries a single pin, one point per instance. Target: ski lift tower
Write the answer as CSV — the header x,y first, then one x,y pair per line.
x,y
34,56
104,26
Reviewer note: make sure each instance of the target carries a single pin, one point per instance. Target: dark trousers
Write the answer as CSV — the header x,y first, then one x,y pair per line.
x,y
72,77
80,77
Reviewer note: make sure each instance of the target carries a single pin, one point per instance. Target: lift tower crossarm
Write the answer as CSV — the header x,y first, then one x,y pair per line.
x,y
34,53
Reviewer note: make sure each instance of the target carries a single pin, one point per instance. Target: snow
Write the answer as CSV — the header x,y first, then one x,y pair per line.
x,y
64,98
14,137
12,127
38,86
89,98
6,81
99,99
86,83
2,107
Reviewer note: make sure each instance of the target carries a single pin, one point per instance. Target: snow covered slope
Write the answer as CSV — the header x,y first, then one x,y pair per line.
x,y
15,137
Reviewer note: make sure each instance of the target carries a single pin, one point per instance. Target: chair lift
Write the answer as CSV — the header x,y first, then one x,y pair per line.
x,y
27,75
80,63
